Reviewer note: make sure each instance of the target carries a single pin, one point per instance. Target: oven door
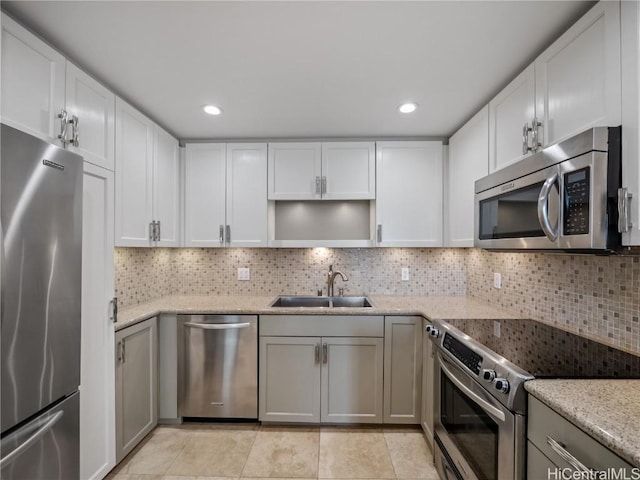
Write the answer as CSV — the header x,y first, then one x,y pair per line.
x,y
477,433
521,214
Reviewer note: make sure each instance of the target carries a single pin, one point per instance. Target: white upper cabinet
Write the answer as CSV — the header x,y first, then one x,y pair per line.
x,y
631,118
33,83
295,171
510,112
468,161
166,188
315,171
225,195
94,107
247,195
147,182
204,194
348,171
578,77
409,194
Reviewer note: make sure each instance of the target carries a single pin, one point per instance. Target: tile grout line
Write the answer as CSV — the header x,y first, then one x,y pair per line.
x,y
386,444
188,439
253,442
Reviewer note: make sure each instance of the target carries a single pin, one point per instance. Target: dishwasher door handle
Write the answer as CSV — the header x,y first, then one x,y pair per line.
x,y
217,326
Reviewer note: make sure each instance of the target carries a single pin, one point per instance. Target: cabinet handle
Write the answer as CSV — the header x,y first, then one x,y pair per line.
x,y
221,234
63,128
325,354
379,233
560,449
152,227
324,184
525,139
158,231
123,350
535,135
318,186
118,352
624,213
317,353
228,235
75,133
113,303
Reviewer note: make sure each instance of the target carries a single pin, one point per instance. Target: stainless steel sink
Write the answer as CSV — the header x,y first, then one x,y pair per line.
x,y
316,302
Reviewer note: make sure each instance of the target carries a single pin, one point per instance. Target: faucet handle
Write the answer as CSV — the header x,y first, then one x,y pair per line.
x,y
319,292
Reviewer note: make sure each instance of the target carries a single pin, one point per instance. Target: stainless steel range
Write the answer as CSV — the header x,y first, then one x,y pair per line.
x,y
480,404
480,408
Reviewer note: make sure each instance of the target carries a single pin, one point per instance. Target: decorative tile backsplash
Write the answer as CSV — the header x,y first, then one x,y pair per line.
x,y
597,297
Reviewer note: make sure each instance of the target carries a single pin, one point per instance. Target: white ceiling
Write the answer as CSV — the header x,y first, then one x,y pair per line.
x,y
302,69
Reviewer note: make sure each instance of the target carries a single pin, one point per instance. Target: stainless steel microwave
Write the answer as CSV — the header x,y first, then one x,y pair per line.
x,y
564,197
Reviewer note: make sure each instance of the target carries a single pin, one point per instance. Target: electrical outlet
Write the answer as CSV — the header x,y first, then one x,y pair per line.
x,y
244,274
496,328
497,280
405,273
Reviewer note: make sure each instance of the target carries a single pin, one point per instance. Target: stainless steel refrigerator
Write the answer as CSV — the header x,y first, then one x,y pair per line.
x,y
40,288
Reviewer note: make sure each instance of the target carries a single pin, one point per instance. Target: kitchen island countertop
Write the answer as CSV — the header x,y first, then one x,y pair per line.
x,y
608,410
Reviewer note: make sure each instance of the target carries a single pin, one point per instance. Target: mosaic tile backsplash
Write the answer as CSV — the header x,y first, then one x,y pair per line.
x,y
597,297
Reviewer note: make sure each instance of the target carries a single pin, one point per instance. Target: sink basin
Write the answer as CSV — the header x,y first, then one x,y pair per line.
x,y
315,301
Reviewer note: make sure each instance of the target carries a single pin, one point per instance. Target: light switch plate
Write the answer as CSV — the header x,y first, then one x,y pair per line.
x,y
496,328
244,274
405,273
497,280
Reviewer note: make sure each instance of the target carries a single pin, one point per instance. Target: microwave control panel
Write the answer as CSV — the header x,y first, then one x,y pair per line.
x,y
576,202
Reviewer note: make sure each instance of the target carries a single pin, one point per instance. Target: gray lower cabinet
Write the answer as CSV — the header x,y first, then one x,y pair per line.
x,y
402,369
321,368
136,384
555,444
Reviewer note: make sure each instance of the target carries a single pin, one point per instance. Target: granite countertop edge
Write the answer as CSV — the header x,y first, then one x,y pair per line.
x,y
431,307
609,409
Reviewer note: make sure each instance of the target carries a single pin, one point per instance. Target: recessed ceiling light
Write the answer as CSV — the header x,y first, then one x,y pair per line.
x,y
212,110
408,107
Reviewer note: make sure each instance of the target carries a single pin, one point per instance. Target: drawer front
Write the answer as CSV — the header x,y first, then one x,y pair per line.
x,y
322,325
545,425
538,466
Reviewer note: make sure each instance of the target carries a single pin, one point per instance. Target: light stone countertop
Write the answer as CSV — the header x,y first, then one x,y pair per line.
x,y
435,308
608,410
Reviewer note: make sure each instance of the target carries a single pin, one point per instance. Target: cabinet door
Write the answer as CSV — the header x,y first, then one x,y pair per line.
x,y
348,171
295,171
247,195
166,188
468,161
630,17
97,401
289,385
32,83
509,112
204,194
402,369
94,106
136,385
427,385
134,176
578,76
409,194
352,380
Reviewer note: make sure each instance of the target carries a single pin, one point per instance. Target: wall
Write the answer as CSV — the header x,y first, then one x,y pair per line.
x,y
597,297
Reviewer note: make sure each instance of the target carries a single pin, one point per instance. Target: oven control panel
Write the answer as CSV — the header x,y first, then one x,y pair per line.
x,y
468,357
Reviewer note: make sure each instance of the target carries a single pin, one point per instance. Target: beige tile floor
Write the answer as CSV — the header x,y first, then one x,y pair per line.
x,y
250,451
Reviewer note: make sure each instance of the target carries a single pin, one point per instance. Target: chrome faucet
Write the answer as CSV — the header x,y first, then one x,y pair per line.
x,y
331,276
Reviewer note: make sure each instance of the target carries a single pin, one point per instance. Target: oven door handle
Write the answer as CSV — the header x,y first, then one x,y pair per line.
x,y
492,411
543,208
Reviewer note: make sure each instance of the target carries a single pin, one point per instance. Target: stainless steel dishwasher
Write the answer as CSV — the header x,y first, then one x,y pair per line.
x,y
218,366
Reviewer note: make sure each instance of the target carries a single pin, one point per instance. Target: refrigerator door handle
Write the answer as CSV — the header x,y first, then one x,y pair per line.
x,y
23,447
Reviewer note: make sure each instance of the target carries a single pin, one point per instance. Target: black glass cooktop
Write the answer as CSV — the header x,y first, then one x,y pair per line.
x,y
546,351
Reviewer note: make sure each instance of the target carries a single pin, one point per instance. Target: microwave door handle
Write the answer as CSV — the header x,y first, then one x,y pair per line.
x,y
543,208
